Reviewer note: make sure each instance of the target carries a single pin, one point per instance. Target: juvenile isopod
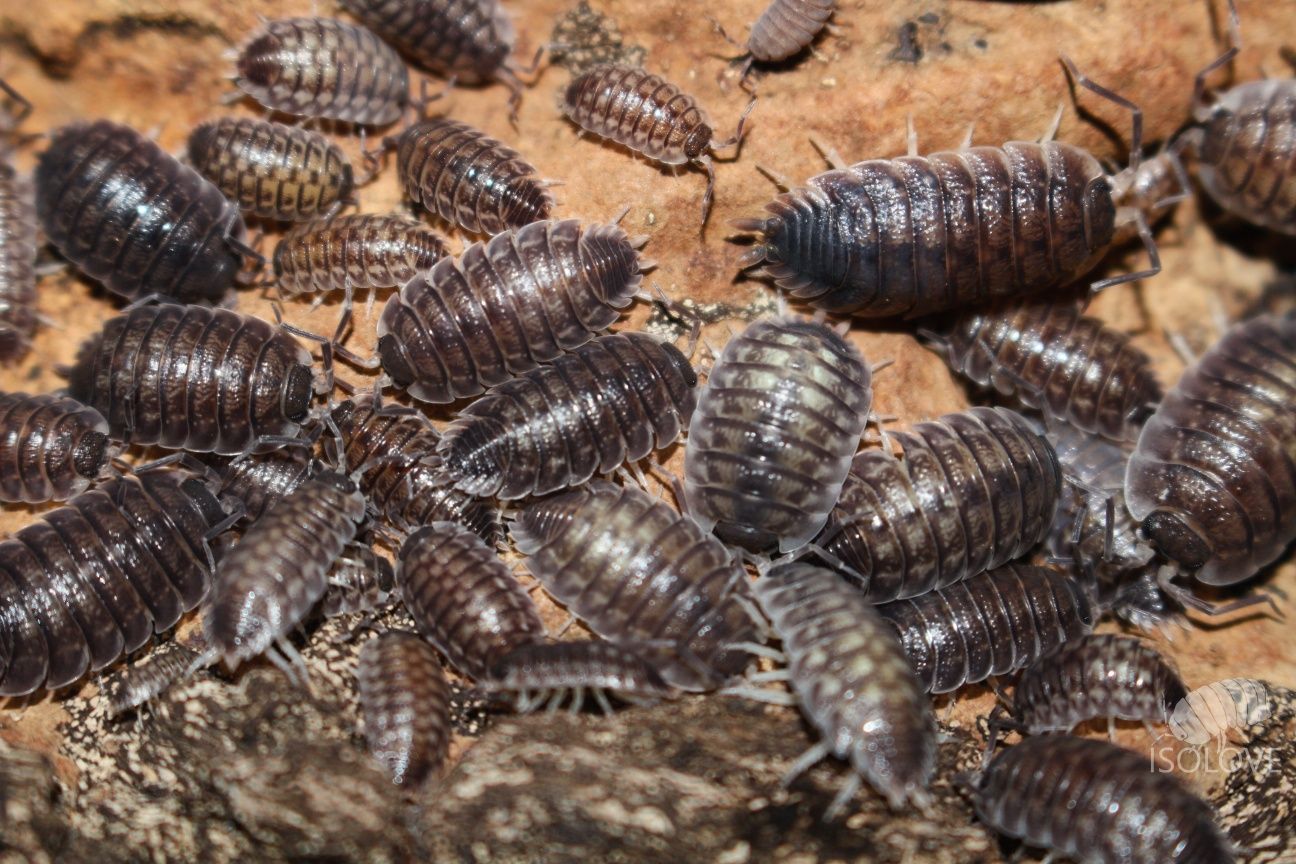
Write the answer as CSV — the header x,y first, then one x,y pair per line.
x,y
359,581
636,572
853,683
974,490
255,482
1095,802
775,428
17,243
611,401
195,378
271,170
321,67
546,673
991,624
649,115
95,579
405,702
784,29
363,251
128,214
505,306
1213,711
468,178
148,679
51,447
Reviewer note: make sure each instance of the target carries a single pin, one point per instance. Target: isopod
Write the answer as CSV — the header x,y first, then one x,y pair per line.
x,y
17,245
191,377
271,170
1096,802
468,40
545,673
611,401
405,702
636,572
51,447
266,584
784,29
468,178
359,581
321,67
975,489
1048,356
131,216
95,579
364,251
505,306
148,679
990,624
1210,712
1213,477
649,115
464,599
776,425
258,481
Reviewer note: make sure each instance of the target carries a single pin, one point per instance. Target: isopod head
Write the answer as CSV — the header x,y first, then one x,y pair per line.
x,y
297,393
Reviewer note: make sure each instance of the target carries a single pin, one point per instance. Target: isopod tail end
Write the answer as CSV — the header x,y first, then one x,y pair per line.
x,y
751,257
749,225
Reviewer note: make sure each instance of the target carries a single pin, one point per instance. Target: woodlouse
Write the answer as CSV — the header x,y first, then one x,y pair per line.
x,y
94,580
266,584
975,489
403,478
321,67
784,29
611,401
649,115
1213,478
405,702
1096,802
468,178
853,683
51,447
364,251
258,481
191,377
17,243
775,428
990,624
464,599
272,170
1211,712
1049,356
637,572
505,306
148,679
541,673
468,40
130,215
359,581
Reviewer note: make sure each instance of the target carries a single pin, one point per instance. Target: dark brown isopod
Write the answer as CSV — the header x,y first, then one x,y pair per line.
x,y
469,40
468,178
321,67
611,401
360,581
266,584
17,262
128,214
975,490
506,306
775,428
464,599
51,447
991,624
95,579
257,481
364,251
541,673
638,573
190,377
271,170
1213,477
403,478
1095,802
1049,356
852,682
649,115
405,702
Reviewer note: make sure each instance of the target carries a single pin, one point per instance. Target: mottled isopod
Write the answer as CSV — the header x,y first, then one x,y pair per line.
x,y
17,246
51,447
321,67
360,581
540,673
464,599
776,425
991,624
975,490
405,702
1098,803
611,401
128,214
95,579
190,377
364,251
468,40
506,306
271,170
1213,477
636,572
144,681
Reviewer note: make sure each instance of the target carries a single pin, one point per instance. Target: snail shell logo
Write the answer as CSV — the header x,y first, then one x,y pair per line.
x,y
1209,712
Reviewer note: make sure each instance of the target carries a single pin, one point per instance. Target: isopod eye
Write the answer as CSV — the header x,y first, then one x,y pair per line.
x,y
697,141
394,362
1099,214
298,390
677,358
91,454
1177,539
